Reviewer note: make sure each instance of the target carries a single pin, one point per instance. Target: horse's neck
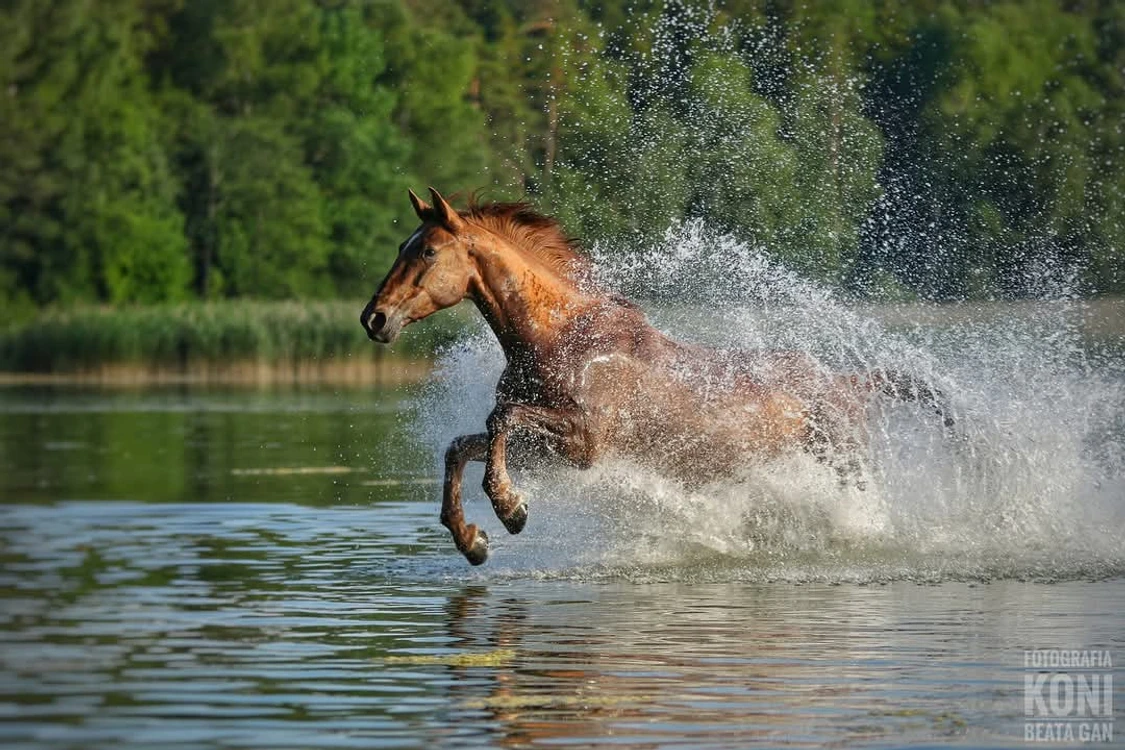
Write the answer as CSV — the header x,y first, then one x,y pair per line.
x,y
526,305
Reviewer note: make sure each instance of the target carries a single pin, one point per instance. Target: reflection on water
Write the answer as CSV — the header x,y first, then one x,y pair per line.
x,y
325,609
277,625
181,445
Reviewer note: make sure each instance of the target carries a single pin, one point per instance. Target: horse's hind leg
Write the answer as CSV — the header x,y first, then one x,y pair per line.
x,y
838,443
471,541
562,433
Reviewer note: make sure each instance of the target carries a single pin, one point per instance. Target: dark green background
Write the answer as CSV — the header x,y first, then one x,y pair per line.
x,y
157,150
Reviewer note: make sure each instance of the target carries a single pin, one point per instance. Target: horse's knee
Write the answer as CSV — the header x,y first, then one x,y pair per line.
x,y
460,451
453,453
458,447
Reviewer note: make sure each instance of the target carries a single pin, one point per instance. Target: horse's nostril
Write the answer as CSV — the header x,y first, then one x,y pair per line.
x,y
376,323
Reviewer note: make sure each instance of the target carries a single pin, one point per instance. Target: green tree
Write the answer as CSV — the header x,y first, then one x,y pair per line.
x,y
155,148
838,155
434,73
356,153
1105,259
87,199
689,133
1014,125
256,216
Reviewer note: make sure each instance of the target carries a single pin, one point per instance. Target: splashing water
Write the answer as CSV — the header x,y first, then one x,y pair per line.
x,y
1034,489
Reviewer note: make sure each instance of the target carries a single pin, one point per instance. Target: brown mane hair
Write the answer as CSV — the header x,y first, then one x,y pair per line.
x,y
533,233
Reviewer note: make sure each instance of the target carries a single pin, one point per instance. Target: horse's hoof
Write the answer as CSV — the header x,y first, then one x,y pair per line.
x,y
517,519
478,550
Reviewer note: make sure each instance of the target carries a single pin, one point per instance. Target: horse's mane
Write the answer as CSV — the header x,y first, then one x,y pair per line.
x,y
535,234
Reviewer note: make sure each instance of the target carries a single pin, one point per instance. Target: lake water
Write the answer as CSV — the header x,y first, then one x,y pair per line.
x,y
186,569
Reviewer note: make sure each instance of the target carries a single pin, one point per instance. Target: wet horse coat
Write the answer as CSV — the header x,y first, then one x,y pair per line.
x,y
587,376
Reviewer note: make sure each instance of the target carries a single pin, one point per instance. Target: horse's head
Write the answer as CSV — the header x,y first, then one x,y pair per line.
x,y
432,272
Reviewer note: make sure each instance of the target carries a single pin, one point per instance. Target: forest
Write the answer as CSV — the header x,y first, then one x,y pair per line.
x,y
157,151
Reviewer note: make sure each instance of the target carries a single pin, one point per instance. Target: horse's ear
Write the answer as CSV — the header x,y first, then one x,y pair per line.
x,y
421,208
445,213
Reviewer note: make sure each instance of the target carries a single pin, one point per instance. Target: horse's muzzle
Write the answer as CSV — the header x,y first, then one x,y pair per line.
x,y
381,327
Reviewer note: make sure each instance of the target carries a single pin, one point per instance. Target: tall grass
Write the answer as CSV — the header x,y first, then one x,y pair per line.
x,y
179,336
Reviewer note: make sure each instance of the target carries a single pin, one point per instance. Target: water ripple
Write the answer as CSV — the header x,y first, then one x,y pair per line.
x,y
203,625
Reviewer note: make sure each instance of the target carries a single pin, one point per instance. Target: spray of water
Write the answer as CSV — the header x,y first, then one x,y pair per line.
x,y
1033,488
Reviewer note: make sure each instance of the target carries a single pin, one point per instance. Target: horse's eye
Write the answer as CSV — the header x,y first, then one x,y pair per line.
x,y
429,253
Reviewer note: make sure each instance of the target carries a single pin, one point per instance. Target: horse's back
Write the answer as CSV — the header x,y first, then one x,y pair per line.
x,y
696,410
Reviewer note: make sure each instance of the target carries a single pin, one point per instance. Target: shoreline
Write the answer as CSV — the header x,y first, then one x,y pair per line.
x,y
1096,320
249,373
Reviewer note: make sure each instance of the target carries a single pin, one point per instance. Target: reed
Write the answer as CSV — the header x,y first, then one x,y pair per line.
x,y
190,335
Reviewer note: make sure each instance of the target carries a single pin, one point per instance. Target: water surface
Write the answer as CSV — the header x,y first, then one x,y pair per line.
x,y
206,569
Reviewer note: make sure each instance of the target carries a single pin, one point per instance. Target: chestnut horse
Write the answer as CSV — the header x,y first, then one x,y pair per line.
x,y
587,376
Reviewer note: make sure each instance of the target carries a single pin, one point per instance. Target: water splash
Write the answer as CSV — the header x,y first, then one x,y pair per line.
x,y
1035,489
777,156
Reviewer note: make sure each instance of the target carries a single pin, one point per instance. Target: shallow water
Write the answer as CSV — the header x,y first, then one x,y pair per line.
x,y
206,569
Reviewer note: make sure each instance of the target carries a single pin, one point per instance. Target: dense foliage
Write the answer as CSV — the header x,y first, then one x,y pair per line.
x,y
160,150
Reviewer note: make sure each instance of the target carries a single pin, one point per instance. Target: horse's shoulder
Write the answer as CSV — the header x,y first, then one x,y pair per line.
x,y
634,334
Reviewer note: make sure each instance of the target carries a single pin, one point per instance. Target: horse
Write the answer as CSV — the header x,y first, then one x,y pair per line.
x,y
588,376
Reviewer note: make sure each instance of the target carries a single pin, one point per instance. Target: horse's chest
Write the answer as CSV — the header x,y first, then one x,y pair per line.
x,y
533,386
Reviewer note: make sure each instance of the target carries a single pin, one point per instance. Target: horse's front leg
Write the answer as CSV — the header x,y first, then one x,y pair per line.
x,y
471,541
563,432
